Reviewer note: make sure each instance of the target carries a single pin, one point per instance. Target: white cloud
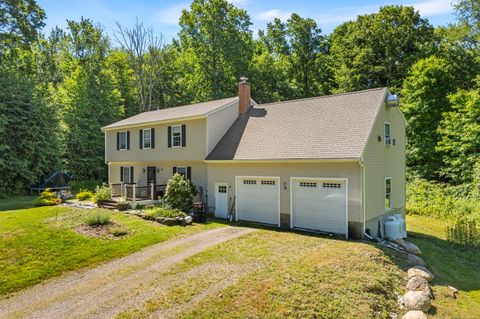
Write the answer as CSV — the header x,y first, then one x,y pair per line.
x,y
172,14
433,7
239,3
271,14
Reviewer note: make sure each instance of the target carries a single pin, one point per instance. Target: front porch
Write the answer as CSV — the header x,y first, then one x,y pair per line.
x,y
131,192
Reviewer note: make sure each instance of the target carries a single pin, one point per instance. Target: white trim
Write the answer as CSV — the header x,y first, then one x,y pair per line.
x,y
126,141
342,179
171,137
387,209
143,138
123,174
277,178
362,166
153,123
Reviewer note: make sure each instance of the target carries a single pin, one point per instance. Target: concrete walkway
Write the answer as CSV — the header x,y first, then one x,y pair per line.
x,y
120,285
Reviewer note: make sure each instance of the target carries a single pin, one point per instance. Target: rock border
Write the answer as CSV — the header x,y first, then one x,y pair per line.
x,y
168,221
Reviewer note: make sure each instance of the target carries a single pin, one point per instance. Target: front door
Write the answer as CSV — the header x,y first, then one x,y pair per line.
x,y
151,175
221,200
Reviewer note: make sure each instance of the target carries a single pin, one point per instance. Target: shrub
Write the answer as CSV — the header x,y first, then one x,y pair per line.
x,y
464,232
78,186
47,198
123,206
165,211
180,192
102,194
98,219
84,195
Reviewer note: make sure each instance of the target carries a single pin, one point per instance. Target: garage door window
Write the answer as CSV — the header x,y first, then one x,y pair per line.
x,y
332,185
268,182
249,182
308,184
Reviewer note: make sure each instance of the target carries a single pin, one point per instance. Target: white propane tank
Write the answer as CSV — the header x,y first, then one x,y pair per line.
x,y
393,228
403,223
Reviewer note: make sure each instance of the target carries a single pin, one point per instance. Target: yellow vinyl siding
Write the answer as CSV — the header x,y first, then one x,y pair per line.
x,y
195,148
385,161
226,172
218,122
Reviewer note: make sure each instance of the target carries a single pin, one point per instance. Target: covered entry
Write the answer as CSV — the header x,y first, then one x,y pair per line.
x,y
319,204
258,199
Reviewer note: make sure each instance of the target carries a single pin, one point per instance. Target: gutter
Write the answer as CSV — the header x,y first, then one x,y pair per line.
x,y
362,165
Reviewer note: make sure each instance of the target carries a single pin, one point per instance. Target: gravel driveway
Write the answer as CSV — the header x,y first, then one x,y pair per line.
x,y
123,284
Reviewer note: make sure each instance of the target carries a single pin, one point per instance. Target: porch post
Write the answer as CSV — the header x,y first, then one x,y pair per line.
x,y
152,190
134,195
122,191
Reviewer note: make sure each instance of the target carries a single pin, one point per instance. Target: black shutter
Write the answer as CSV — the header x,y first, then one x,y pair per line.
x,y
184,135
152,138
118,141
189,173
131,174
174,170
141,139
121,173
128,140
169,136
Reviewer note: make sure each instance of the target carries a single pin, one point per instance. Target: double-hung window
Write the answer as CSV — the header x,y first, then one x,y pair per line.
x,y
122,137
388,192
147,138
182,170
387,135
177,136
127,172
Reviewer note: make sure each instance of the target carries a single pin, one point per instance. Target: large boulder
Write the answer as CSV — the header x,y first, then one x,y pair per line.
x,y
417,283
409,247
414,314
417,300
420,271
414,260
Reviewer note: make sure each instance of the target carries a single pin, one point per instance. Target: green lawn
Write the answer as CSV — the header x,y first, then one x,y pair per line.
x,y
36,245
452,265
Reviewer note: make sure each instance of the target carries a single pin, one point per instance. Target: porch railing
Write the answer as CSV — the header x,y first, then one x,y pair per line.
x,y
117,190
132,192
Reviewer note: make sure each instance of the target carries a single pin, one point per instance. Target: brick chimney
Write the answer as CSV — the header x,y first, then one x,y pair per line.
x,y
244,95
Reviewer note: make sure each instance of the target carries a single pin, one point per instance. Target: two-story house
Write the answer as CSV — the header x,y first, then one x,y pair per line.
x,y
333,163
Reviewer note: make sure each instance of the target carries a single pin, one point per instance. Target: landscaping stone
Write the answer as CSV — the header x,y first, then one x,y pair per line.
x,y
410,247
417,300
420,271
414,314
417,283
170,221
453,292
414,260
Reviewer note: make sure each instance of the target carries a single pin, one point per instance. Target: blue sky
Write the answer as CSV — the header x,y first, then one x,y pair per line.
x,y
163,15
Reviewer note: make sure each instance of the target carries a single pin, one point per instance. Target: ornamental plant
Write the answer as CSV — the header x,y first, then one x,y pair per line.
x,y
180,192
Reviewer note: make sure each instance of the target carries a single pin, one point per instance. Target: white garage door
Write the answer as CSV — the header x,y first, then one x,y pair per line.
x,y
258,199
319,204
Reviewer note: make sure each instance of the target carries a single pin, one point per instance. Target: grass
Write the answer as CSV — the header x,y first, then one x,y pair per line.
x,y
36,244
286,275
451,264
17,202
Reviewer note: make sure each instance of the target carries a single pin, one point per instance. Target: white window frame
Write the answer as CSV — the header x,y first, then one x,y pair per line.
x,y
385,124
389,194
120,141
186,171
173,135
129,170
149,130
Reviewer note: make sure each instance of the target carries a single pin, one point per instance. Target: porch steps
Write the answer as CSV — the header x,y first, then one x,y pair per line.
x,y
109,204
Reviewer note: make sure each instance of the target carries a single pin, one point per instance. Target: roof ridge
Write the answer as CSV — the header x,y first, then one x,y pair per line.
x,y
323,96
191,104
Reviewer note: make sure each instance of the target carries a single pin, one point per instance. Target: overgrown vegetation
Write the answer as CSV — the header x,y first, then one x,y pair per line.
x,y
98,219
465,231
180,192
165,211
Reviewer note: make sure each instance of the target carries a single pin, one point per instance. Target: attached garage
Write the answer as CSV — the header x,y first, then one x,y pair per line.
x,y
258,199
319,204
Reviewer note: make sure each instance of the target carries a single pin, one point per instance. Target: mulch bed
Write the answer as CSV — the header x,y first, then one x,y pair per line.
x,y
101,231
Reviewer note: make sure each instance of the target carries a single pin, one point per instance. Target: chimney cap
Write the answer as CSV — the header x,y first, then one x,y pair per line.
x,y
243,79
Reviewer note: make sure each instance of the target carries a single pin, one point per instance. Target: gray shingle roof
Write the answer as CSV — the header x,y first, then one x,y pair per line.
x,y
172,113
327,127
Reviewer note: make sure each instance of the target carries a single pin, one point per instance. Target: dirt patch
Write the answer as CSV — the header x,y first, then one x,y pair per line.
x,y
112,230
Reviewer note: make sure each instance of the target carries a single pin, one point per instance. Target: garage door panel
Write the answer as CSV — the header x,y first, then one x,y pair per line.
x,y
319,204
257,200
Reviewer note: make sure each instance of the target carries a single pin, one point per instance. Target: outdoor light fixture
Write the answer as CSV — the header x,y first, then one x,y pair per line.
x,y
143,170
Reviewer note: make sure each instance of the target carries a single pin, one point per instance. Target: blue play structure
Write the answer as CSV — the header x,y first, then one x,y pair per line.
x,y
57,181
